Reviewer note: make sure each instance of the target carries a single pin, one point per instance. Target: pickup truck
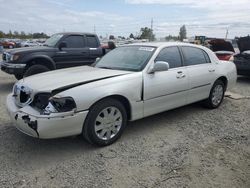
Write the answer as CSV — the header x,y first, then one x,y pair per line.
x,y
61,50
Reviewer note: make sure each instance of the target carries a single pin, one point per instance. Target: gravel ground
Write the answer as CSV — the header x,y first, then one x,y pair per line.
x,y
187,147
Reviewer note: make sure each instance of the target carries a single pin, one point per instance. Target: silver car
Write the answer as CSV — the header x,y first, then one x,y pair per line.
x,y
129,83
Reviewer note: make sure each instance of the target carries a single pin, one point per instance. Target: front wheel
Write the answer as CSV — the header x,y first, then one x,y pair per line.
x,y
105,122
216,95
35,69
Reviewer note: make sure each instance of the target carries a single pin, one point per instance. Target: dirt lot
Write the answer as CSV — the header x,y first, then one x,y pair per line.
x,y
186,147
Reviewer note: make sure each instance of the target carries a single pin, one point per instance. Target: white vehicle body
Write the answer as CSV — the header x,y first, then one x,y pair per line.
x,y
144,93
29,44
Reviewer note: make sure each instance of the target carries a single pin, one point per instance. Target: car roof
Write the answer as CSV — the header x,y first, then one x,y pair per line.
x,y
76,33
163,44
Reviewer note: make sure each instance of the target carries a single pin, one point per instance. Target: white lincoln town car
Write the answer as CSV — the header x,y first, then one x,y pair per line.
x,y
129,83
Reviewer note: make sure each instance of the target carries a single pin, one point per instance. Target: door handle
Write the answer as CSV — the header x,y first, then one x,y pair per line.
x,y
211,70
180,75
61,52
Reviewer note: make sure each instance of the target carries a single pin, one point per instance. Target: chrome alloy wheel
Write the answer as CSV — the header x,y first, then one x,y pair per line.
x,y
108,123
217,95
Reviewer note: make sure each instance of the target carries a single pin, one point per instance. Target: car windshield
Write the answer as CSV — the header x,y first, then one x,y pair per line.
x,y
131,58
53,40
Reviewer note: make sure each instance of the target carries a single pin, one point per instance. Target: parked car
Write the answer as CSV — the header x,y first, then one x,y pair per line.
x,y
62,50
129,83
29,43
1,48
8,44
242,59
223,49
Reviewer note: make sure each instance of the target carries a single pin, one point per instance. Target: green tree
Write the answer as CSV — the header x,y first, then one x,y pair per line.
x,y
16,34
2,34
183,33
147,33
9,35
131,36
22,35
170,37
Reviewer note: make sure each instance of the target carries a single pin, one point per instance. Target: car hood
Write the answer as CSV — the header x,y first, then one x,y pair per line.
x,y
244,43
221,45
30,49
61,80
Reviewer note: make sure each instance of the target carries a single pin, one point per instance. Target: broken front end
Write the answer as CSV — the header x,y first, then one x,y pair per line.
x,y
44,115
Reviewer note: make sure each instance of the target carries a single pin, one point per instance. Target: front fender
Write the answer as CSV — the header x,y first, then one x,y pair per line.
x,y
40,56
128,86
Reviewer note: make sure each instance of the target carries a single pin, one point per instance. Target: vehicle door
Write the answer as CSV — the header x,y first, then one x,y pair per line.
x,y
201,73
95,50
167,89
75,53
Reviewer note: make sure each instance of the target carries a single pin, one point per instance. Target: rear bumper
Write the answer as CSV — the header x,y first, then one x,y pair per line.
x,y
12,68
30,122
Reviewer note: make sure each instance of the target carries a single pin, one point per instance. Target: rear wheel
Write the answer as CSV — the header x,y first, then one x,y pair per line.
x,y
105,122
35,69
216,95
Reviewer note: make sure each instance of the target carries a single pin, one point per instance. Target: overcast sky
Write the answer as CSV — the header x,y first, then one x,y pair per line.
x,y
122,17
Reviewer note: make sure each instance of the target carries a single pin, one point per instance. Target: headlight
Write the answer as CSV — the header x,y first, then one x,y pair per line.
x,y
59,105
14,57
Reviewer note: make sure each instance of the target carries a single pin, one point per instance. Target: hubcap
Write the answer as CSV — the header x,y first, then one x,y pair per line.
x,y
217,95
108,123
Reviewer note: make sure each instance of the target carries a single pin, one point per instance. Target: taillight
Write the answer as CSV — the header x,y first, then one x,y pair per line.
x,y
226,57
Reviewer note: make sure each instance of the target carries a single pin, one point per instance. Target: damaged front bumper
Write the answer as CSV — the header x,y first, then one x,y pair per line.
x,y
31,122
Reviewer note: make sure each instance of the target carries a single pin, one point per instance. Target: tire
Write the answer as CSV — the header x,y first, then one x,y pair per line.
x,y
35,69
212,102
11,47
18,76
93,130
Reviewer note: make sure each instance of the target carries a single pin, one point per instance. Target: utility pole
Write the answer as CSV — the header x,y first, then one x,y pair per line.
x,y
226,34
94,29
152,25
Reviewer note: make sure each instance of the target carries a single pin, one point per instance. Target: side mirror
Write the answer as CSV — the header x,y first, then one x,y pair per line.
x,y
97,59
62,45
159,66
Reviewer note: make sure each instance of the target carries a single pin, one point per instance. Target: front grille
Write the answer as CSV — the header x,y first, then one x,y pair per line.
x,y
4,56
22,95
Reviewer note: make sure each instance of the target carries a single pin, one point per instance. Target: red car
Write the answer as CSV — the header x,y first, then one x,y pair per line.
x,y
8,44
223,49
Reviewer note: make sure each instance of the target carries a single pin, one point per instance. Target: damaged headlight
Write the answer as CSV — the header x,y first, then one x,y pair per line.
x,y
59,105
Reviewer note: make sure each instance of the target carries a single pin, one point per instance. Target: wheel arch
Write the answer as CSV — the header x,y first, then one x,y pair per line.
x,y
41,60
224,80
121,99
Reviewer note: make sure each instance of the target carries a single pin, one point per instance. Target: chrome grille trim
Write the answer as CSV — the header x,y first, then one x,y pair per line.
x,y
22,95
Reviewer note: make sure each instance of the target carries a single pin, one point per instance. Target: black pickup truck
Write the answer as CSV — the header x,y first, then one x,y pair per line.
x,y
61,50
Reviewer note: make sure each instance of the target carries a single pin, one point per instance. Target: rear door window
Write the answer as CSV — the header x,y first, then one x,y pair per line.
x,y
75,41
170,55
91,41
194,56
